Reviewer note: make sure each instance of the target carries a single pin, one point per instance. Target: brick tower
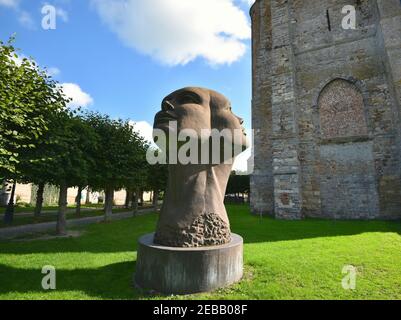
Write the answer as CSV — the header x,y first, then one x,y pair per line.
x,y
326,109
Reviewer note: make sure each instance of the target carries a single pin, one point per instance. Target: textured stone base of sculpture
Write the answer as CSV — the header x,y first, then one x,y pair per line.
x,y
207,230
172,270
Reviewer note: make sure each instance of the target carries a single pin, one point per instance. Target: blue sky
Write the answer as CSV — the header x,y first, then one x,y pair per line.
x,y
121,57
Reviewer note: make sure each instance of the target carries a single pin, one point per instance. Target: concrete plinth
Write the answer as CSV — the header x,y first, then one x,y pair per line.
x,y
188,270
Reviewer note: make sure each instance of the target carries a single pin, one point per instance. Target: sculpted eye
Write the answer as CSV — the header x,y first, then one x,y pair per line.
x,y
189,97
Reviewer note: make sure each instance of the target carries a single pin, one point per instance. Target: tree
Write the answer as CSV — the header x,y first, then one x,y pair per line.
x,y
157,181
78,200
139,181
65,158
119,157
88,194
77,146
238,184
27,97
36,165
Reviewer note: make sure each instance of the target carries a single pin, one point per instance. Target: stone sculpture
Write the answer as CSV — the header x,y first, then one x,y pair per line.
x,y
193,212
193,249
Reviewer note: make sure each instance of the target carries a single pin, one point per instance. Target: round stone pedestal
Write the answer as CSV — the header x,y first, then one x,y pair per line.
x,y
188,270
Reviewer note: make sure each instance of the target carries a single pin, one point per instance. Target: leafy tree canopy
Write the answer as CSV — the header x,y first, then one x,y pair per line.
x,y
28,98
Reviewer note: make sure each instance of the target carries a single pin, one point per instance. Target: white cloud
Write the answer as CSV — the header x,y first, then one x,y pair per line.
x,y
26,20
9,3
71,90
23,17
242,162
78,96
62,14
176,32
145,129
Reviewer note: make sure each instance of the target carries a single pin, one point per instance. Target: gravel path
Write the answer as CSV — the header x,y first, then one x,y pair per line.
x,y
49,212
12,232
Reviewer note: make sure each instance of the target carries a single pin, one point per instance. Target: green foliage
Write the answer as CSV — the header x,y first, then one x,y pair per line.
x,y
73,146
152,177
28,97
157,177
238,184
64,155
120,153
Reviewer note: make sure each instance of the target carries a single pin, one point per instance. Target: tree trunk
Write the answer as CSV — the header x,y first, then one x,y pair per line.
x,y
62,210
128,199
39,200
3,193
155,199
88,196
108,203
141,198
135,202
9,214
78,202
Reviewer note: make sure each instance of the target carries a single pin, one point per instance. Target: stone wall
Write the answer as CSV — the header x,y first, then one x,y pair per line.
x,y
332,147
262,178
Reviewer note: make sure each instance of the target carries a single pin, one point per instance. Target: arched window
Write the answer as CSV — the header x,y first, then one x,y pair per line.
x,y
341,111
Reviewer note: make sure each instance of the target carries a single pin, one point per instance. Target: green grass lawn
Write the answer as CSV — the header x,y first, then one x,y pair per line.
x,y
283,260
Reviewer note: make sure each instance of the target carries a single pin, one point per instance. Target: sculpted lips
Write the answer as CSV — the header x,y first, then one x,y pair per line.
x,y
165,116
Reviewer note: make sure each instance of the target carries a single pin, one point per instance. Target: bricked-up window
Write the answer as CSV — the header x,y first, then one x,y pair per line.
x,y
341,111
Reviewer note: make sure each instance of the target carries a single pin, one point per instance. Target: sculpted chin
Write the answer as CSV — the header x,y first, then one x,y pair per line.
x,y
193,213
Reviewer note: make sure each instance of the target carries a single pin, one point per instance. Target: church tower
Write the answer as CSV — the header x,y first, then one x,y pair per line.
x,y
326,109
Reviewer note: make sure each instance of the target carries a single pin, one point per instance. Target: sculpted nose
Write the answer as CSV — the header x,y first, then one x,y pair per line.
x,y
241,121
167,106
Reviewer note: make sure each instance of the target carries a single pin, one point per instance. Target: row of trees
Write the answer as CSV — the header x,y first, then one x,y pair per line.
x,y
43,142
238,186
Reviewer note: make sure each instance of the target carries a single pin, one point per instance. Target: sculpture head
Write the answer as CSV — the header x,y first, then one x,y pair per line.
x,y
201,110
193,212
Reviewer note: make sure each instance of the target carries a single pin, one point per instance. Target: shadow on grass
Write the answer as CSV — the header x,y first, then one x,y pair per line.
x,y
122,236
267,229
114,281
103,237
